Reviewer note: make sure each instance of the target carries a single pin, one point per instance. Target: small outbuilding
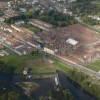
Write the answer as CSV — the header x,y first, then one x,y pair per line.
x,y
72,44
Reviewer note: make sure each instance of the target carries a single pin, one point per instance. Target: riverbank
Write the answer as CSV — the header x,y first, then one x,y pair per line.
x,y
87,83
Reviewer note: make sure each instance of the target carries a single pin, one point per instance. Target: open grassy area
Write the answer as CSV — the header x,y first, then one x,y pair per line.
x,y
94,65
61,66
36,62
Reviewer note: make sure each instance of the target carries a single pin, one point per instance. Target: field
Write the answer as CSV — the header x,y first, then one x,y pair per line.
x,y
36,62
95,65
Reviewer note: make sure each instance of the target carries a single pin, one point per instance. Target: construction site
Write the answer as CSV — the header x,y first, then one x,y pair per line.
x,y
75,42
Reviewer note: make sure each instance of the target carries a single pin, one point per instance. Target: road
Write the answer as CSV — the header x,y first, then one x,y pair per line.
x,y
80,67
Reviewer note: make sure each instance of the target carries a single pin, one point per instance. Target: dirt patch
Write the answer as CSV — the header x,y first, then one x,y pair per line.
x,y
56,40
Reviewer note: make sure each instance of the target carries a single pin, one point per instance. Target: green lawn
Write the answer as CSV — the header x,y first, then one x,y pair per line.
x,y
61,66
95,65
36,62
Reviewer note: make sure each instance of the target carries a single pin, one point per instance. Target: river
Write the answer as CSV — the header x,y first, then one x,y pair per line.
x,y
49,84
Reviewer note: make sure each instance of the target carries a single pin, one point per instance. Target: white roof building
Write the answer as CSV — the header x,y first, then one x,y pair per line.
x,y
72,41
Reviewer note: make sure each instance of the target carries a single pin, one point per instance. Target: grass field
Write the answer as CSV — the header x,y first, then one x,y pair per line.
x,y
36,62
61,66
95,65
